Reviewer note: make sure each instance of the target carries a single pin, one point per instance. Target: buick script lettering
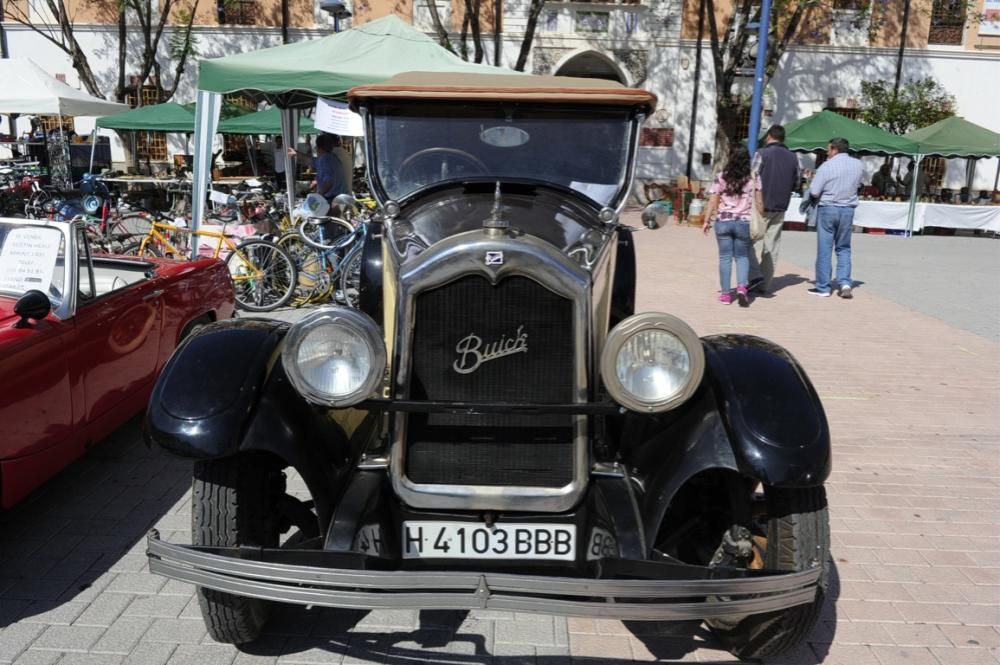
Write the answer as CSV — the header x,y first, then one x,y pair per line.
x,y
472,353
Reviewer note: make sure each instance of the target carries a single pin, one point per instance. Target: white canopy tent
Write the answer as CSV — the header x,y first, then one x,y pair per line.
x,y
27,88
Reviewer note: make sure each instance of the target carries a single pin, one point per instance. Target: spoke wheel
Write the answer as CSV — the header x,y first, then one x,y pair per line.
x,y
350,280
313,281
132,249
264,275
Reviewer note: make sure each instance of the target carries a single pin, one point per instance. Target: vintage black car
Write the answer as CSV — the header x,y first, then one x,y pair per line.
x,y
494,426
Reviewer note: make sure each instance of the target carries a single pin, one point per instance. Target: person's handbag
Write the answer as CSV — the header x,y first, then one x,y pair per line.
x,y
758,223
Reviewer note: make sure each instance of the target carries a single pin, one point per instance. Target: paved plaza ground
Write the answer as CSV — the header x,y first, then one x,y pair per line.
x,y
909,373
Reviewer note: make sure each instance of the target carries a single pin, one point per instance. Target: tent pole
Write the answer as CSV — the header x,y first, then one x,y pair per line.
x,y
911,213
996,178
93,145
289,137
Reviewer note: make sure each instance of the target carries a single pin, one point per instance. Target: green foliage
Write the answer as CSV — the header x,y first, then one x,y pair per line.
x,y
918,103
183,43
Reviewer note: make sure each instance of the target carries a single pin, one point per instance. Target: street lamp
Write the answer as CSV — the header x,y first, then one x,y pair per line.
x,y
337,9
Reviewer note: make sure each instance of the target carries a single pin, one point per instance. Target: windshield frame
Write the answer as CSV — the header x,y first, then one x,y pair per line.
x,y
66,306
633,118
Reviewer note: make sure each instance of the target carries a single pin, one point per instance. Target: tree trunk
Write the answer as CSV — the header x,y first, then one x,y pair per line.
x,y
529,33
497,22
122,45
442,34
472,8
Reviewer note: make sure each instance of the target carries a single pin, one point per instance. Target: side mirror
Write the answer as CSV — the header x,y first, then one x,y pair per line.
x,y
654,216
32,305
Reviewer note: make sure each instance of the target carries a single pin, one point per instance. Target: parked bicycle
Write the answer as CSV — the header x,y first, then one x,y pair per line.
x,y
264,274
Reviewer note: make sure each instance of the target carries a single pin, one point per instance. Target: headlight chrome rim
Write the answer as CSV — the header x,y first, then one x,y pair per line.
x,y
639,323
353,321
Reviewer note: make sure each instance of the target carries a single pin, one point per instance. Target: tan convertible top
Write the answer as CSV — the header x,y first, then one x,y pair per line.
x,y
503,87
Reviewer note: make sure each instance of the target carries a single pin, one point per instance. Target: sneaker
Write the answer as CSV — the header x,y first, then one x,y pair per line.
x,y
845,292
726,298
742,296
821,294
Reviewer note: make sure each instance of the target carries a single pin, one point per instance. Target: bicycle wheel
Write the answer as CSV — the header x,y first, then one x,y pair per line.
x,y
132,249
264,275
312,279
129,226
350,279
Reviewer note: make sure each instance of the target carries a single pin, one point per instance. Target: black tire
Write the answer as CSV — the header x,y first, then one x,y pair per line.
x,y
277,275
230,508
797,528
132,249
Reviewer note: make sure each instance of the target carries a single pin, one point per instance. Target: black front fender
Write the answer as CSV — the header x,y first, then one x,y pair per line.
x,y
771,411
203,399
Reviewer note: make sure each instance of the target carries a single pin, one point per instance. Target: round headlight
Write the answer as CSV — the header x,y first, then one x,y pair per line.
x,y
335,356
652,362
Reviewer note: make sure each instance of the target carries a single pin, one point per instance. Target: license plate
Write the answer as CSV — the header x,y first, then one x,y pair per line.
x,y
474,540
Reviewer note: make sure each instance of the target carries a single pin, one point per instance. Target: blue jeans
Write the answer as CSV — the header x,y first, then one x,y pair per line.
x,y
833,234
733,237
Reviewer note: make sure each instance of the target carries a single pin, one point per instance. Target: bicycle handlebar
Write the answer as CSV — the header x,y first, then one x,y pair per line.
x,y
344,241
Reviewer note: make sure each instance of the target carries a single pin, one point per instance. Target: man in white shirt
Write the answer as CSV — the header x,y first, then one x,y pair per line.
x,y
835,189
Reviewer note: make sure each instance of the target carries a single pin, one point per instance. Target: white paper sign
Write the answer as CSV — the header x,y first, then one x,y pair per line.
x,y
28,259
336,118
990,24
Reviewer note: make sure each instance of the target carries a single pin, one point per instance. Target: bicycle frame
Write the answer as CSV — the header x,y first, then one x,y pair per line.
x,y
155,233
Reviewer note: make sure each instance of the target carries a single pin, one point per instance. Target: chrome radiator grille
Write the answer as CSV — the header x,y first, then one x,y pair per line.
x,y
508,342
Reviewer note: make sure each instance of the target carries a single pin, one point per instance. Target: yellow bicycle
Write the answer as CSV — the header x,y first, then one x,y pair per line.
x,y
264,274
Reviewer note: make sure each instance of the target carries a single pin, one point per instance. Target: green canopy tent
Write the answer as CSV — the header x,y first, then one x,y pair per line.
x,y
814,133
957,137
180,118
262,122
295,75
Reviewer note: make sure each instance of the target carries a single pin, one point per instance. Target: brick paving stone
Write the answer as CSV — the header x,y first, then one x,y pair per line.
x,y
167,607
310,651
68,638
972,636
49,612
201,654
538,632
845,654
917,635
123,635
977,615
91,659
150,654
600,646
136,583
175,631
33,657
104,610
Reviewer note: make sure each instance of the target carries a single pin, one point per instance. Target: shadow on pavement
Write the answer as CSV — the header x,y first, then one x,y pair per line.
x,y
785,281
85,521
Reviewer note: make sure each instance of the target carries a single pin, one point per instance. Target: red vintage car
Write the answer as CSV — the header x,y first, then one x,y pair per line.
x,y
82,339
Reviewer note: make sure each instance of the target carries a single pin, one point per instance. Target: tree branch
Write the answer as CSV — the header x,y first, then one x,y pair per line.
x,y
442,34
529,33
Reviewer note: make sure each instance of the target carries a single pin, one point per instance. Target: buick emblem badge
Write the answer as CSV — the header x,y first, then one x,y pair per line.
x,y
494,258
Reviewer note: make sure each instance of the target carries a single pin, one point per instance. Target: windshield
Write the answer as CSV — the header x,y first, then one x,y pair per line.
x,y
31,257
583,149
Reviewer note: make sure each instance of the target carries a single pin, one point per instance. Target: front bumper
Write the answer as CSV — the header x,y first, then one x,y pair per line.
x,y
664,591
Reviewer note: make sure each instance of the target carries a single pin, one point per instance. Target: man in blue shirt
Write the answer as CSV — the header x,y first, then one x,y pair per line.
x,y
835,189
329,173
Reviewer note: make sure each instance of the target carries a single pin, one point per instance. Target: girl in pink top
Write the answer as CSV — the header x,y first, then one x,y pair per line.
x,y
732,194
